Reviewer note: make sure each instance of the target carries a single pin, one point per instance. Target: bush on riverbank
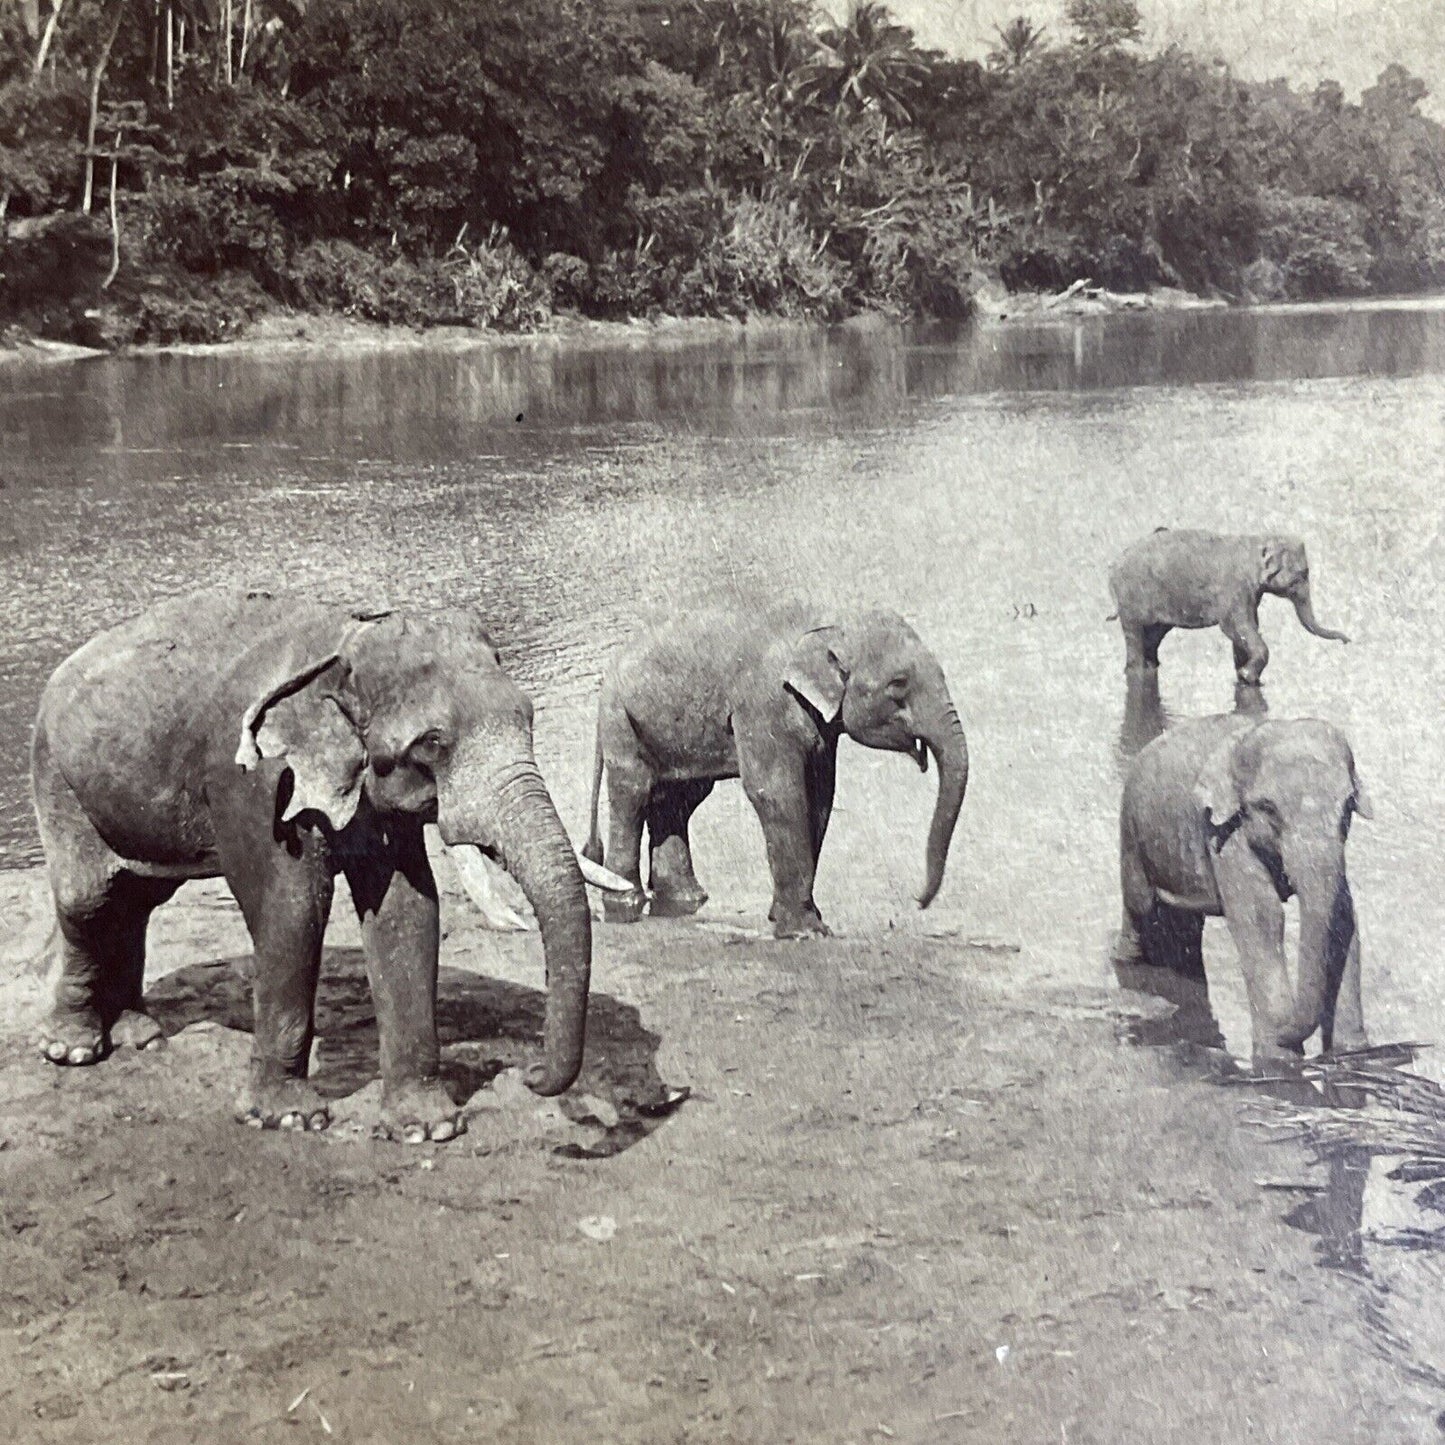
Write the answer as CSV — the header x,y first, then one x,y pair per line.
x,y
480,162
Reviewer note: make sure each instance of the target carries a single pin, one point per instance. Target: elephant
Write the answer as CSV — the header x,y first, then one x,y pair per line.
x,y
763,693
1200,579
1232,816
276,741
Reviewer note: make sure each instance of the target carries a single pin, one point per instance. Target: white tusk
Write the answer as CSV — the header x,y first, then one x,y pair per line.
x,y
603,878
485,882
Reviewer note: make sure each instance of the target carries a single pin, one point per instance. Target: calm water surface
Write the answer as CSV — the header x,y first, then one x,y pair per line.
x,y
979,483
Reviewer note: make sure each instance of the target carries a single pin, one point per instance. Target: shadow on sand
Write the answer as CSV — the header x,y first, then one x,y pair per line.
x,y
485,1025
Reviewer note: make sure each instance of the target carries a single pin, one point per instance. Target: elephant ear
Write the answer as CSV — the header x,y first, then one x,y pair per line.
x,y
1216,789
1273,557
815,674
300,720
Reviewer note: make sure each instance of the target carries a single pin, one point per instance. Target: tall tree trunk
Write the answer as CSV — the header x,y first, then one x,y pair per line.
x,y
228,21
170,55
114,218
245,37
97,74
47,36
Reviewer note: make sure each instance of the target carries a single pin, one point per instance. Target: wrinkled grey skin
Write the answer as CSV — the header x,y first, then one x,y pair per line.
x,y
762,693
277,742
1200,579
1234,815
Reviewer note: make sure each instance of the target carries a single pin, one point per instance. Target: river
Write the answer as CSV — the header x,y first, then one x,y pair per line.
x,y
977,481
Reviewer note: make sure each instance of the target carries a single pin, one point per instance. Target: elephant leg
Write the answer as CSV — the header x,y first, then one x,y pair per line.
x,y
1343,1026
1256,923
675,889
775,782
284,887
629,789
1251,653
98,997
101,911
1141,644
1176,937
822,777
396,900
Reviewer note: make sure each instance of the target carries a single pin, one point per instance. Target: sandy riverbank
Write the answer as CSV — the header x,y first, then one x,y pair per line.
x,y
917,1193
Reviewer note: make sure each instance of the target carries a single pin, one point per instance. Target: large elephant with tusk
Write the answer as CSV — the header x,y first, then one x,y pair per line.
x,y
279,742
763,691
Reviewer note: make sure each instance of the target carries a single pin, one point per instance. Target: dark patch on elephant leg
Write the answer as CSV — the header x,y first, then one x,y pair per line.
x,y
675,889
396,899
1153,635
1141,644
1175,938
282,878
123,1003
822,776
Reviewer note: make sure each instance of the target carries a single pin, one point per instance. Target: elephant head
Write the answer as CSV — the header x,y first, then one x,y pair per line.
x,y
873,676
1284,570
416,717
1291,789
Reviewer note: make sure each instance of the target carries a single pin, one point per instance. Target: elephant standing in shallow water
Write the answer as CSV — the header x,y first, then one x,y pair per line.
x,y
1232,815
762,693
1199,579
279,742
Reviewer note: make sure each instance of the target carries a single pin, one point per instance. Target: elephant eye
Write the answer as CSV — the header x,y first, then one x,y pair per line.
x,y
428,749
897,689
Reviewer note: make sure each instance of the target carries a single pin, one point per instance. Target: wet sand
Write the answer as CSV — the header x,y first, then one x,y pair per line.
x,y
916,1193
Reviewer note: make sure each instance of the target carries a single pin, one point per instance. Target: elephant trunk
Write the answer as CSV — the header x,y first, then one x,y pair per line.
x,y
508,811
1305,611
1326,927
943,736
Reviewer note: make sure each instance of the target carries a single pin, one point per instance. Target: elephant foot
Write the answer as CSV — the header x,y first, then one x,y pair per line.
x,y
1349,1042
136,1029
417,1110
1126,949
281,1103
801,924
623,907
1271,1054
73,1036
682,903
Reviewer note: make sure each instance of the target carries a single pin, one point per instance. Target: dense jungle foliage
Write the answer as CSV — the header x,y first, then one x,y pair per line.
x,y
168,168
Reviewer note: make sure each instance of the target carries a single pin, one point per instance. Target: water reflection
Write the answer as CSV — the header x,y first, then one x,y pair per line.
x,y
1146,717
1144,714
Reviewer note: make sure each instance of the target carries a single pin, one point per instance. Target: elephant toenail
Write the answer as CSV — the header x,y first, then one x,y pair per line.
x,y
56,1052
292,1121
443,1131
319,1120
80,1056
414,1134
254,1120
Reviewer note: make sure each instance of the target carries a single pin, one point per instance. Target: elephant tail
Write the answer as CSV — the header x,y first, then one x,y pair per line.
x,y
592,850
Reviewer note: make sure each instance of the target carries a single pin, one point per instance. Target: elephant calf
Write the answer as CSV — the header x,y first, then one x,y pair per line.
x,y
1199,579
762,693
1230,815
278,742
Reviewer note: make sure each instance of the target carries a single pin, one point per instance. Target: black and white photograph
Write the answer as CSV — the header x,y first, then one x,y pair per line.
x,y
720,722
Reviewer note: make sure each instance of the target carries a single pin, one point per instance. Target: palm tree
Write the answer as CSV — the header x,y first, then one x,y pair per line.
x,y
1018,40
868,62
